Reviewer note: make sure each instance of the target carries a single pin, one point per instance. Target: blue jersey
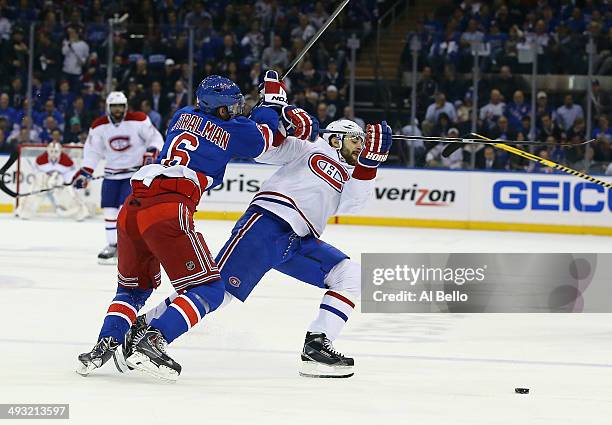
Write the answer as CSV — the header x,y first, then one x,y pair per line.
x,y
205,143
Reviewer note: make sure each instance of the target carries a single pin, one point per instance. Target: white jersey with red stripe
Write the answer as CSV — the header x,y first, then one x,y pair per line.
x,y
313,184
64,166
122,145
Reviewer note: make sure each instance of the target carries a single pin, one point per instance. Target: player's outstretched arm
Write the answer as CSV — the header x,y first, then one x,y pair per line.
x,y
357,191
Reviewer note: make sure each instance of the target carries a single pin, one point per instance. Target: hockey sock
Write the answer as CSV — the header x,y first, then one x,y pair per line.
x,y
110,224
158,310
188,309
122,312
334,312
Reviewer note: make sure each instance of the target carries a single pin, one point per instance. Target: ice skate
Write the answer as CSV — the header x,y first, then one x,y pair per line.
x,y
150,356
321,360
108,256
99,355
136,332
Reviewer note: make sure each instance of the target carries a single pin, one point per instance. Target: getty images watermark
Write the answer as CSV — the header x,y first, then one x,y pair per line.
x,y
486,283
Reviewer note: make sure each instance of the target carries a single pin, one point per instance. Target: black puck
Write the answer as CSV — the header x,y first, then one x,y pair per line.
x,y
521,390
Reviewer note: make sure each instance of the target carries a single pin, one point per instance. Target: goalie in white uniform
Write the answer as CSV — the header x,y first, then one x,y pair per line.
x,y
281,228
126,140
54,170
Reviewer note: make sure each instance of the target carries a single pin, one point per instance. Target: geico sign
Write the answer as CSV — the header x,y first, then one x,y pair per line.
x,y
551,196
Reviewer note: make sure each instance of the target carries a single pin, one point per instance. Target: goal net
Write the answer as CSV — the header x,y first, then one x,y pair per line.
x,y
36,171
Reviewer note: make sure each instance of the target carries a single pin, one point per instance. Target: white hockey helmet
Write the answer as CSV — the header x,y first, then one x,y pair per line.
x,y
346,126
54,151
116,98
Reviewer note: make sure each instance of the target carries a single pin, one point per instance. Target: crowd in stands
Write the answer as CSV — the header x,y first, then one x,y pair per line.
x,y
150,62
445,93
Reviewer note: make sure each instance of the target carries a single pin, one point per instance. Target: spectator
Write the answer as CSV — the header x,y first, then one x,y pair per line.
x,y
49,111
603,130
517,110
333,77
84,116
490,113
547,128
169,75
536,167
253,42
334,104
435,159
16,54
542,106
64,98
502,130
178,99
308,77
275,55
419,145
56,136
586,163
304,30
48,126
506,83
75,52
602,103
7,146
438,107
47,56
525,130
568,113
21,136
73,130
153,115
157,100
489,160
141,74
350,115
7,111
322,115
17,93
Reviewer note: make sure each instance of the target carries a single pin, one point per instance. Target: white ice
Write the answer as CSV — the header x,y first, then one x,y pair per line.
x,y
240,365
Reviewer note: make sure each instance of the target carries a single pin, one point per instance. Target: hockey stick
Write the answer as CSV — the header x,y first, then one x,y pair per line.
x,y
3,171
457,140
49,189
314,38
546,162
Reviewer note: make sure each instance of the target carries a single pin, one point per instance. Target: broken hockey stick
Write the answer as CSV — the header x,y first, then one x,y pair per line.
x,y
456,142
49,189
546,162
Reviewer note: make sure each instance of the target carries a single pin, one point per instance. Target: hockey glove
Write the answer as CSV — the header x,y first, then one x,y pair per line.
x,y
150,156
273,91
298,123
377,144
82,177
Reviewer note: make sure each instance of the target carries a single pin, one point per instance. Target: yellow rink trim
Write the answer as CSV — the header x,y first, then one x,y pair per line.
x,y
440,224
415,222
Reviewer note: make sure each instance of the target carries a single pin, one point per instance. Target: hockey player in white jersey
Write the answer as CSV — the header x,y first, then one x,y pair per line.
x,y
54,169
126,140
281,229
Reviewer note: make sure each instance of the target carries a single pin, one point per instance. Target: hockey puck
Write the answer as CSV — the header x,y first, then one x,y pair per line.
x,y
521,390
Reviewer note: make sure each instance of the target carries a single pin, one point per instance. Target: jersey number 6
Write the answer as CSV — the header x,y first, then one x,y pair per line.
x,y
178,151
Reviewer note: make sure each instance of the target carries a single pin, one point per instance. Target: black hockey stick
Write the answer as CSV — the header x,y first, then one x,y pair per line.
x,y
458,140
12,158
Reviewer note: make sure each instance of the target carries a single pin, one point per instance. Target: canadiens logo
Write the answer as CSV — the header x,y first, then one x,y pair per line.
x,y
329,170
234,281
119,143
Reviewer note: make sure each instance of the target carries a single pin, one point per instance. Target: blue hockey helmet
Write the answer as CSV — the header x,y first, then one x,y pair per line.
x,y
215,91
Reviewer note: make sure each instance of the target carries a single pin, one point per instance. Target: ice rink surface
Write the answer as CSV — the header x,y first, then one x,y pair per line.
x,y
240,364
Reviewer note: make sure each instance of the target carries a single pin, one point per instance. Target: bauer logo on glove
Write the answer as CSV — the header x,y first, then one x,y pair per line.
x,y
377,144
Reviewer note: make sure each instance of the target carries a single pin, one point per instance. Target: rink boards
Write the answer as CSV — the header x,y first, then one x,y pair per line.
x,y
433,198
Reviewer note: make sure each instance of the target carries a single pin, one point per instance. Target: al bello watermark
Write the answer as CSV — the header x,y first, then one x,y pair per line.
x,y
486,283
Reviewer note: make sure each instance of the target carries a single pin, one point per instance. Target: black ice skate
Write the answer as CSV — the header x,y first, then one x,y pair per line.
x,y
134,334
320,360
150,356
99,355
108,256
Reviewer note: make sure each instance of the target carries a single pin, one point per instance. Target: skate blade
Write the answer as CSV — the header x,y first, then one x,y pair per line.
x,y
85,369
142,363
310,369
120,361
107,261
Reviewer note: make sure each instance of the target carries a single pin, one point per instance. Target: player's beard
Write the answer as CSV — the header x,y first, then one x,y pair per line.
x,y
350,156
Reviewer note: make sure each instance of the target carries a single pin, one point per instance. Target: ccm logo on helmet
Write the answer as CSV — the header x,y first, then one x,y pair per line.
x,y
119,143
329,170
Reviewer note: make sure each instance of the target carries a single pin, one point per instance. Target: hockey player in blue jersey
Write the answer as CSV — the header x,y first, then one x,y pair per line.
x,y
156,225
